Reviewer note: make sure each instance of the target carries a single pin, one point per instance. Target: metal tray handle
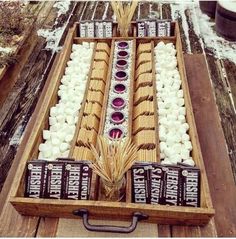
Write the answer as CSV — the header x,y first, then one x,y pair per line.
x,y
137,216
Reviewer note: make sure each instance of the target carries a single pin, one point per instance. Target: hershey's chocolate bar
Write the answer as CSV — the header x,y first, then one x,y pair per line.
x,y
99,32
191,183
172,181
107,25
157,183
141,28
163,28
35,179
55,179
140,183
85,183
86,28
151,30
72,180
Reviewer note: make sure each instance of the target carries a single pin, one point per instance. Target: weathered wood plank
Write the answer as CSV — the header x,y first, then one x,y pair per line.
x,y
215,153
75,228
164,231
47,227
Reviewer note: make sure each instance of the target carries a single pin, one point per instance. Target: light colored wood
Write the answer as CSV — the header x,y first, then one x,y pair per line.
x,y
75,228
155,103
157,213
2,71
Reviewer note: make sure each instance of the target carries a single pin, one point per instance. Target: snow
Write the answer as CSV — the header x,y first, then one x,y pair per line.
x,y
62,6
52,37
229,5
204,28
5,50
16,138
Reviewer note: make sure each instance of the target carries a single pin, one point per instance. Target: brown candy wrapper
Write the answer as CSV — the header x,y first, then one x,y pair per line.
x,y
72,180
163,28
172,182
86,178
156,183
54,182
140,183
35,179
191,184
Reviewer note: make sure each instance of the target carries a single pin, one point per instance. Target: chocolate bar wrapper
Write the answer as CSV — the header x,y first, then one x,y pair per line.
x,y
107,28
86,28
156,183
191,183
99,32
35,174
55,180
140,183
163,28
141,29
85,183
151,28
172,181
72,184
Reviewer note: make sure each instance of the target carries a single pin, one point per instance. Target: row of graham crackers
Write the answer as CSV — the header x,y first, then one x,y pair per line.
x,y
93,107
144,134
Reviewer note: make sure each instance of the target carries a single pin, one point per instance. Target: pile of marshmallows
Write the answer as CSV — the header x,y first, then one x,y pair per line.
x,y
64,115
175,144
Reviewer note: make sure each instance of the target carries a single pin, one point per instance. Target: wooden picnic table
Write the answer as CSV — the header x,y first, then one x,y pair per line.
x,y
212,110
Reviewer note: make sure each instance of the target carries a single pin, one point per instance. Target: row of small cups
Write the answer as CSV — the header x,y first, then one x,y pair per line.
x,y
119,91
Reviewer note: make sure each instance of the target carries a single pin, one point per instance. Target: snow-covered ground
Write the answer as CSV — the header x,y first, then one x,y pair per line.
x,y
204,28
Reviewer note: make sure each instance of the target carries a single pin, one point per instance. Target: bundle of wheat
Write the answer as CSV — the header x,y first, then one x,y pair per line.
x,y
124,13
112,160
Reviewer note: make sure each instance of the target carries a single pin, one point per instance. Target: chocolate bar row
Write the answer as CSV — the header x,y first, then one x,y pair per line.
x,y
58,179
98,28
167,185
154,28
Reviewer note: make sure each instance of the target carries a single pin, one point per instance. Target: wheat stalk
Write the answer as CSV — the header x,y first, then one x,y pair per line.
x,y
113,160
124,15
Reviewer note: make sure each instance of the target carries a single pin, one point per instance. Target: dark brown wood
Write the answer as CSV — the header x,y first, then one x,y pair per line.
x,y
215,154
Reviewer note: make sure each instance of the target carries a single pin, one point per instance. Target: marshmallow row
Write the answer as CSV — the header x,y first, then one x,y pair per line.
x,y
175,144
64,115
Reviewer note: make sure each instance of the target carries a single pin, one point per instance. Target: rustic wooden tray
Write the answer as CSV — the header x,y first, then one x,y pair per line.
x,y
163,214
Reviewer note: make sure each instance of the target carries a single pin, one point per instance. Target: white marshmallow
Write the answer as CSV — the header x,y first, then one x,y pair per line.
x,y
53,111
69,138
189,161
64,147
46,134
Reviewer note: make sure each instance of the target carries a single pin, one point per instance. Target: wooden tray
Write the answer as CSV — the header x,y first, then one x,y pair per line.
x,y
163,214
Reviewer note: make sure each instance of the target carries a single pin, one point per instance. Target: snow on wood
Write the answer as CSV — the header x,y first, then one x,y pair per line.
x,y
62,6
105,11
204,28
5,50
